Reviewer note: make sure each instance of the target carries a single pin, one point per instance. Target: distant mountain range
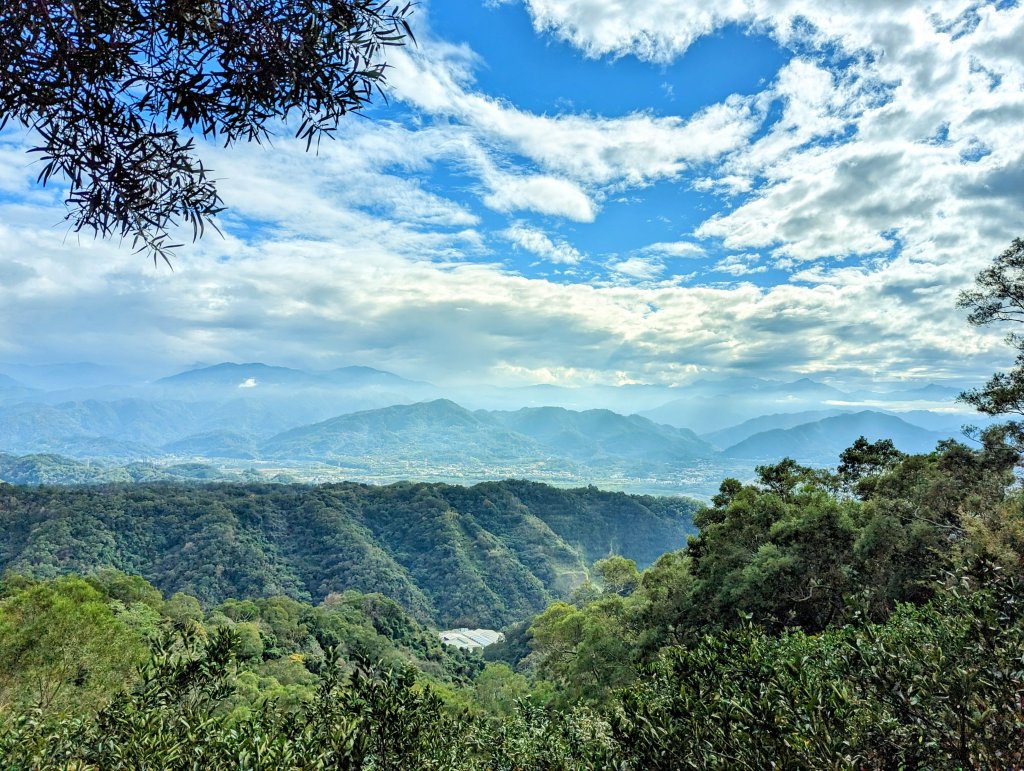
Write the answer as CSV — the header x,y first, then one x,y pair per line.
x,y
821,441
258,375
727,437
443,432
365,423
58,377
13,391
930,392
713,405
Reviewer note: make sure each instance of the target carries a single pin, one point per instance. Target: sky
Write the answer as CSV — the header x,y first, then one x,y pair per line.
x,y
586,192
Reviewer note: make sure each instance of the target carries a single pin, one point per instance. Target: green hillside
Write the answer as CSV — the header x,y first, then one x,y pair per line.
x,y
481,556
50,469
433,432
441,431
600,437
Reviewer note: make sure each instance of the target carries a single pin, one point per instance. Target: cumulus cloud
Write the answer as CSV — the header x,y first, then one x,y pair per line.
x,y
676,249
300,302
350,179
537,242
640,268
910,136
661,30
518,190
589,149
546,195
740,265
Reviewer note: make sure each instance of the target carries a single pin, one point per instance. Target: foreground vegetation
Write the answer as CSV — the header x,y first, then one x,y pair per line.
x,y
868,617
936,687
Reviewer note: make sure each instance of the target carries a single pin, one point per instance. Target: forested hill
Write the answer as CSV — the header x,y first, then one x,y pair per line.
x,y
484,555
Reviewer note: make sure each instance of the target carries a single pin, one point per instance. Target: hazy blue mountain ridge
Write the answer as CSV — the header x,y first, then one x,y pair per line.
x,y
595,435
220,443
439,431
714,405
12,390
442,431
822,441
727,437
368,424
62,376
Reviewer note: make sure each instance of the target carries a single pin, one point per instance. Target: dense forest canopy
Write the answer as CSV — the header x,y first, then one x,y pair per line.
x,y
480,556
67,643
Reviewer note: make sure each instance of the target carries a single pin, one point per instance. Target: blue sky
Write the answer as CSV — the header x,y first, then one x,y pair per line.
x,y
587,192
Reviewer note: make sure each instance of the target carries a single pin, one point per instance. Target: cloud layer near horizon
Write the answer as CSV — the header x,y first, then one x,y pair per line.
x,y
858,190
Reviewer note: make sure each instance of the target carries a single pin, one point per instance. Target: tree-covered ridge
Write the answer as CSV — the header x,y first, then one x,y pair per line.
x,y
50,469
481,556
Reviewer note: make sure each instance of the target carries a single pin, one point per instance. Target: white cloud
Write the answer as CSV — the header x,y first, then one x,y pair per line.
x,y
740,265
348,179
537,242
633,149
674,249
661,30
640,268
851,165
543,194
651,30
294,301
